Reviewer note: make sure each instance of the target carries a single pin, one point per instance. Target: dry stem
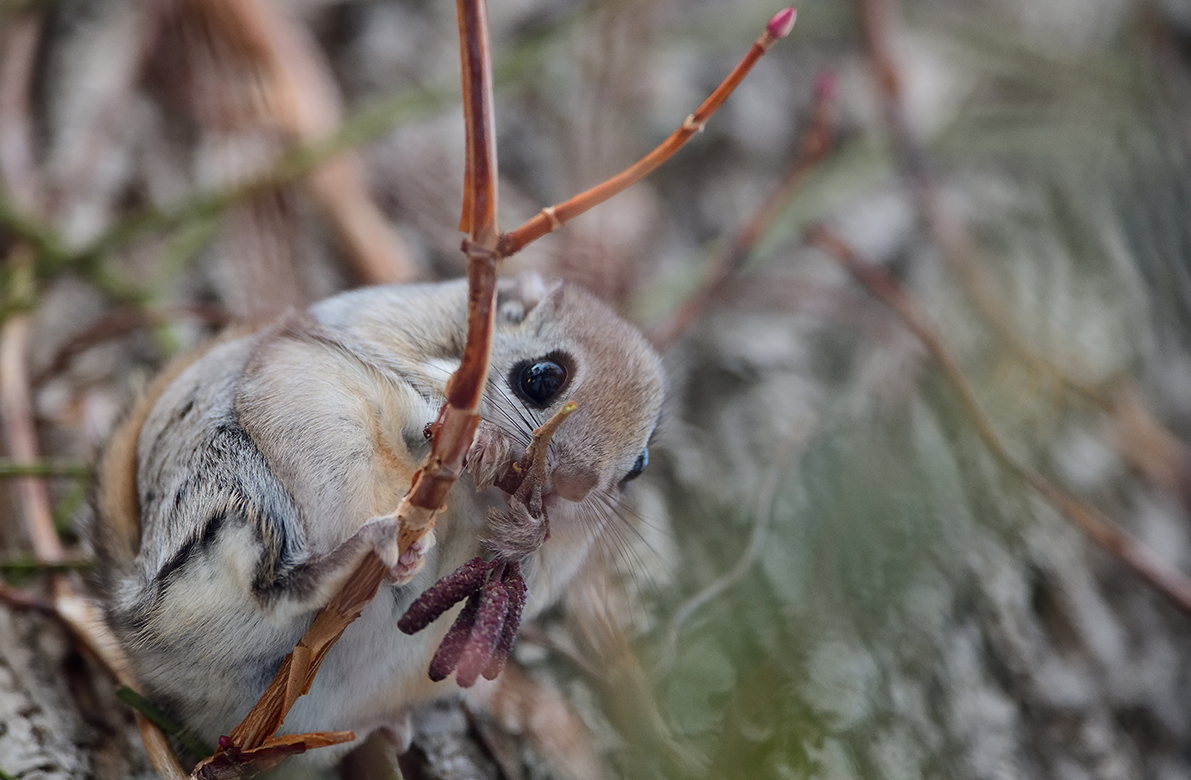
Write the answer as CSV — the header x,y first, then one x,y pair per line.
x,y
1167,580
465,389
815,145
478,217
16,405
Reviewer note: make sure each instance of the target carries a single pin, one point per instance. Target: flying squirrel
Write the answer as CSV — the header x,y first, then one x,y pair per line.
x,y
244,488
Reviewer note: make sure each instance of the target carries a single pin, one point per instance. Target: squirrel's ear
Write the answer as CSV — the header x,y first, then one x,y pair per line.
x,y
522,295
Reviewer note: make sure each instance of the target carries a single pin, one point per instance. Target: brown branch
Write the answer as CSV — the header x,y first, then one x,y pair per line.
x,y
815,145
459,417
553,217
452,432
1165,579
16,407
478,218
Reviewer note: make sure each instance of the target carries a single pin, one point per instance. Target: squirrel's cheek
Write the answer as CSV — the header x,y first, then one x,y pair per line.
x,y
574,483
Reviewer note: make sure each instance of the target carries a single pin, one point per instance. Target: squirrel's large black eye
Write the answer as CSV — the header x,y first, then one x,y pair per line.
x,y
638,467
540,381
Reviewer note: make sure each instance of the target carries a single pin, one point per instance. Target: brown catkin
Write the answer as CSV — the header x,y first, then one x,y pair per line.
x,y
514,584
447,656
485,634
443,595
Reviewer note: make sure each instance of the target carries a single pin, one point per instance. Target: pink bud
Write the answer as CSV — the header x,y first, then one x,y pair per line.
x,y
782,22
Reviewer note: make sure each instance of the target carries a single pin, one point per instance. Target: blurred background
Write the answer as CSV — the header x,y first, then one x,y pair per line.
x,y
844,560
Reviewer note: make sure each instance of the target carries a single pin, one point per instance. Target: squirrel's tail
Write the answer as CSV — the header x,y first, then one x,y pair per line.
x,y
113,526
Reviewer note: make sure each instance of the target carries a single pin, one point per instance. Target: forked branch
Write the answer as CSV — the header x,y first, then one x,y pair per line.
x,y
482,644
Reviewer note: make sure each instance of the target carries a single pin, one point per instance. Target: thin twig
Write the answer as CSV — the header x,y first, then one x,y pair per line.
x,y
16,408
478,212
816,143
456,424
1169,581
553,217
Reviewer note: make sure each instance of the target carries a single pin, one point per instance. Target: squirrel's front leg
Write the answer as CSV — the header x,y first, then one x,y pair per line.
x,y
314,582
